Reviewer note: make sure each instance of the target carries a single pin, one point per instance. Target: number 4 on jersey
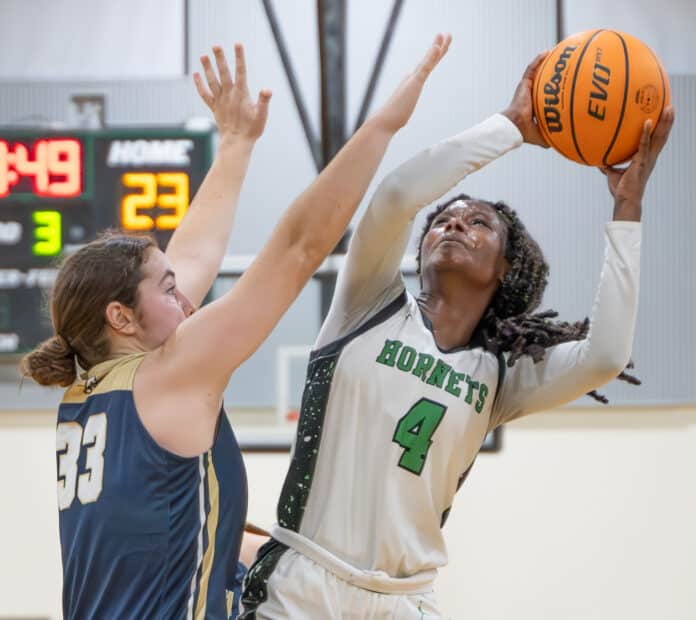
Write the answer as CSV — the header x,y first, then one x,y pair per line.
x,y
414,432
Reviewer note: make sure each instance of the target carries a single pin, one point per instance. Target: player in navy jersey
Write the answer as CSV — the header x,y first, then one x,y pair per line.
x,y
151,484
402,390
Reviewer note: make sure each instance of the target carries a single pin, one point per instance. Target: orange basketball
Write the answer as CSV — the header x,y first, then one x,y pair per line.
x,y
593,93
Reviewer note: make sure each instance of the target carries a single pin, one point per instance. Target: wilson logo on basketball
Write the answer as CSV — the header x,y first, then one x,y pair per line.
x,y
594,92
552,88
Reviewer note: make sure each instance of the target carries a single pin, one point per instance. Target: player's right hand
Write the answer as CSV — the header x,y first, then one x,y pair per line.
x,y
521,111
236,115
394,114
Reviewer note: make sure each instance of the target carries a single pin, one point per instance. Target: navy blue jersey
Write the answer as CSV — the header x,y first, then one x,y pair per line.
x,y
235,595
144,533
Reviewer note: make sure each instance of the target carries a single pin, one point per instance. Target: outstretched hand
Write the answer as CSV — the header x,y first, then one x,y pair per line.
x,y
521,111
394,114
236,115
627,185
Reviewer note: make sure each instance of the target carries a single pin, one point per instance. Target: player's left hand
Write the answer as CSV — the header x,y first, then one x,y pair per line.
x,y
236,115
627,185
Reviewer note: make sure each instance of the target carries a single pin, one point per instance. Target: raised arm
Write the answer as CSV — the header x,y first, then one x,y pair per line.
x,y
207,347
199,243
371,276
572,369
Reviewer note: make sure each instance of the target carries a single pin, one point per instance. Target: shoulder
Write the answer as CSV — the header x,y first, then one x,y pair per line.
x,y
111,375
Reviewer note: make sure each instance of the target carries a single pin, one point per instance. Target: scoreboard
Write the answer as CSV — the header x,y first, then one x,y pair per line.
x,y
58,190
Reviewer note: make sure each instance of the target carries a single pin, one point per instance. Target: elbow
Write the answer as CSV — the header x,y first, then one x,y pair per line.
x,y
312,253
391,191
608,365
306,255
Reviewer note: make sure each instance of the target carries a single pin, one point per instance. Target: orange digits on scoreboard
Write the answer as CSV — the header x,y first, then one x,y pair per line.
x,y
178,200
130,218
149,197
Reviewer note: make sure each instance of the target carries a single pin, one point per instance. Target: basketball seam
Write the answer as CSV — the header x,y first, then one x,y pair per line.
x,y
623,103
572,96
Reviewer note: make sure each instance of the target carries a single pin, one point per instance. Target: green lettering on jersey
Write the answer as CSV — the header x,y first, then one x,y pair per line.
x,y
388,354
483,392
406,359
432,371
423,365
454,379
437,377
473,385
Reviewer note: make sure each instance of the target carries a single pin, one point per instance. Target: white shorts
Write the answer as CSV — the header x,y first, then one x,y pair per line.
x,y
300,589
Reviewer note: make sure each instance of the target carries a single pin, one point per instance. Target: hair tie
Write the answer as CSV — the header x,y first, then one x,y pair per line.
x,y
64,343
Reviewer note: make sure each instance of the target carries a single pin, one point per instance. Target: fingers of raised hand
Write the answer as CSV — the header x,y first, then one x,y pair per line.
x,y
223,68
240,65
436,52
202,91
644,144
210,76
262,104
662,130
532,67
446,43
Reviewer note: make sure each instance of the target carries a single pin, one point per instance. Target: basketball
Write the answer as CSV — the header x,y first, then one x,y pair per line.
x,y
594,92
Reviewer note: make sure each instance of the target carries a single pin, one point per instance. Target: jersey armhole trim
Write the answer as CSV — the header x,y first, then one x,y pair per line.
x,y
385,313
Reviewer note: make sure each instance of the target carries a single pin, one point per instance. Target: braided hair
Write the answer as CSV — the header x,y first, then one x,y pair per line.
x,y
509,324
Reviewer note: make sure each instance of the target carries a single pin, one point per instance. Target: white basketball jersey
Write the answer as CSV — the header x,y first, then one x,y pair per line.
x,y
389,426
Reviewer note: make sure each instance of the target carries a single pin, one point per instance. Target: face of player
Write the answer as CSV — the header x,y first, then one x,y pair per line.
x,y
161,305
467,237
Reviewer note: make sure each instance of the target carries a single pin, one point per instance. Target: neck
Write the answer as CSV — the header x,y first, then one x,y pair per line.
x,y
454,311
121,346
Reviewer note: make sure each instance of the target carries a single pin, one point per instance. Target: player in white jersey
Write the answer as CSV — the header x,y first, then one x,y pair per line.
x,y
401,391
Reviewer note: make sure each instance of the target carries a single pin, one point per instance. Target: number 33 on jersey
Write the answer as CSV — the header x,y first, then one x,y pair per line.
x,y
71,442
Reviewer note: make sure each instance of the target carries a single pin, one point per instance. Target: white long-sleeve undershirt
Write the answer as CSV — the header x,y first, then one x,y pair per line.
x,y
371,276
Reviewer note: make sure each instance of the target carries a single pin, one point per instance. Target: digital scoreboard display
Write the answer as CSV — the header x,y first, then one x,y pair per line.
x,y
58,190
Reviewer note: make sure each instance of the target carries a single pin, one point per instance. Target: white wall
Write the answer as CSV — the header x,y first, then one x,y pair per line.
x,y
668,27
563,204
585,515
81,39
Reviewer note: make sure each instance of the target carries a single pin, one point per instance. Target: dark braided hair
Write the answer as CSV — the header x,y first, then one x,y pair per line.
x,y
510,324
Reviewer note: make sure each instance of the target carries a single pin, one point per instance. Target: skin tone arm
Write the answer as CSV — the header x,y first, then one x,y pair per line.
x,y
179,385
199,243
627,185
